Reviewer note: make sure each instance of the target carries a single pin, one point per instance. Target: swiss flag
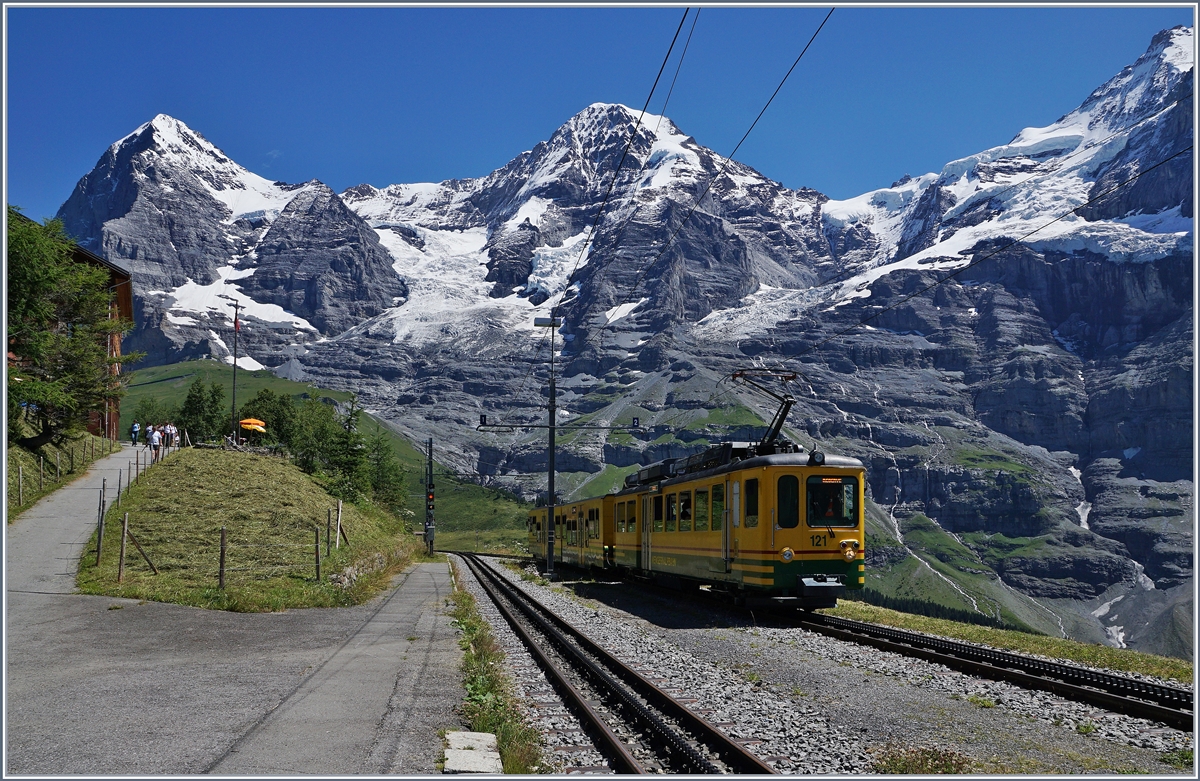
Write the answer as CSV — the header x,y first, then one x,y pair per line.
x,y
237,324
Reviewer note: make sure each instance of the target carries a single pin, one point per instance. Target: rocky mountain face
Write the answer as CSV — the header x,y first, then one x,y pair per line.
x,y
1006,343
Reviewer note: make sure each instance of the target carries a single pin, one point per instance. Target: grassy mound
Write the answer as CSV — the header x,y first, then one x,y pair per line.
x,y
271,511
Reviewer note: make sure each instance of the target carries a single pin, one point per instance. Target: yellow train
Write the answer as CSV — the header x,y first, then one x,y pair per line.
x,y
769,524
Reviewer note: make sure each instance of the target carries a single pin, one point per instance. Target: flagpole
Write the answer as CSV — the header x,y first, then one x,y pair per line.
x,y
237,326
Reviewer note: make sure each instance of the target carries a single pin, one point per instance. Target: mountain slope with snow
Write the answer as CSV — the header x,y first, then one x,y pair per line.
x,y
997,403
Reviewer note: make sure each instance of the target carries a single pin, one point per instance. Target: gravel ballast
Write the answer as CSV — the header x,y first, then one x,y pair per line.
x,y
813,704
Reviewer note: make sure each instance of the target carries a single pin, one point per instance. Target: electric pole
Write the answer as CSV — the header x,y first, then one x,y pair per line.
x,y
551,323
429,525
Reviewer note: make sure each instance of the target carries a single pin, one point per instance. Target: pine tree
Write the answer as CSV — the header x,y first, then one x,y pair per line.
x,y
59,324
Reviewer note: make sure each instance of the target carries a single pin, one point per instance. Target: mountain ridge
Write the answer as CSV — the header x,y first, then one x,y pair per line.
x,y
1018,404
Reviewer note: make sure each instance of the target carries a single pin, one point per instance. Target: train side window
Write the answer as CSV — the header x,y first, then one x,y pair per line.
x,y
789,502
658,513
685,511
672,510
752,503
620,513
630,516
718,507
701,523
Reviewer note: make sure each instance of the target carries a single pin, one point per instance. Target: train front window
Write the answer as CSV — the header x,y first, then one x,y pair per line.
x,y
630,517
718,507
672,509
701,523
657,509
620,513
752,503
832,501
789,502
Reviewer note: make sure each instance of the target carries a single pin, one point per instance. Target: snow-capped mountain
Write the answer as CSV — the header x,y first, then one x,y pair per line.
x,y
1020,405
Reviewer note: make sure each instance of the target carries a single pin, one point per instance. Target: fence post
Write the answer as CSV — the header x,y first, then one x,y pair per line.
x,y
339,525
137,473
58,466
317,552
100,528
20,485
328,528
121,561
119,488
221,574
142,551
103,493
41,473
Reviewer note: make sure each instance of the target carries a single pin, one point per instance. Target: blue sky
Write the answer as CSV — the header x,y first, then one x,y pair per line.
x,y
387,95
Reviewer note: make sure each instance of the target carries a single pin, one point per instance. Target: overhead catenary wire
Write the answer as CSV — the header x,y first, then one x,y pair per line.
x,y
712,180
1095,199
629,143
620,232
612,184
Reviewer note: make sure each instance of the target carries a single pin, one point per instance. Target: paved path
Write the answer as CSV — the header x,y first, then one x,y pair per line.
x,y
153,689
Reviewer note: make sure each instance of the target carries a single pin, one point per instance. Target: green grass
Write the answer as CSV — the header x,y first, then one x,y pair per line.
x,y
491,705
733,416
270,510
1183,758
509,541
1058,648
985,458
30,480
920,760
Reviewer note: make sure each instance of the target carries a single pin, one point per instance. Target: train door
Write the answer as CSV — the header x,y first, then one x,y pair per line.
x,y
646,525
724,514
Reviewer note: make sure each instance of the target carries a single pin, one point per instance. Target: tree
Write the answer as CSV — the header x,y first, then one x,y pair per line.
x,y
347,456
214,411
315,427
387,475
151,411
203,412
277,411
59,325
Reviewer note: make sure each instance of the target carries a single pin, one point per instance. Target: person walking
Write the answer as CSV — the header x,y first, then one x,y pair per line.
x,y
133,433
155,441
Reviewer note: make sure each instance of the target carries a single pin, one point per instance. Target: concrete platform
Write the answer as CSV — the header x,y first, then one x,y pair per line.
x,y
472,752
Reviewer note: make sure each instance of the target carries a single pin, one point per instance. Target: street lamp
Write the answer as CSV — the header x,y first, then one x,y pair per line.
x,y
237,326
552,323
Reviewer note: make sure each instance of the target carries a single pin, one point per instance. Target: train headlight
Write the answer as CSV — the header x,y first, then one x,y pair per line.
x,y
849,549
786,554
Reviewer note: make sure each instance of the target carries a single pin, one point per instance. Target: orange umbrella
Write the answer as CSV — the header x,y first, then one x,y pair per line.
x,y
254,428
252,422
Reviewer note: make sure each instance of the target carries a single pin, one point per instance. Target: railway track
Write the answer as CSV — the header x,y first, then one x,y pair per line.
x,y
1169,705
638,727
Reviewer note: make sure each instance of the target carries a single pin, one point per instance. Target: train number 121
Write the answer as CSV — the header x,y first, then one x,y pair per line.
x,y
817,540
